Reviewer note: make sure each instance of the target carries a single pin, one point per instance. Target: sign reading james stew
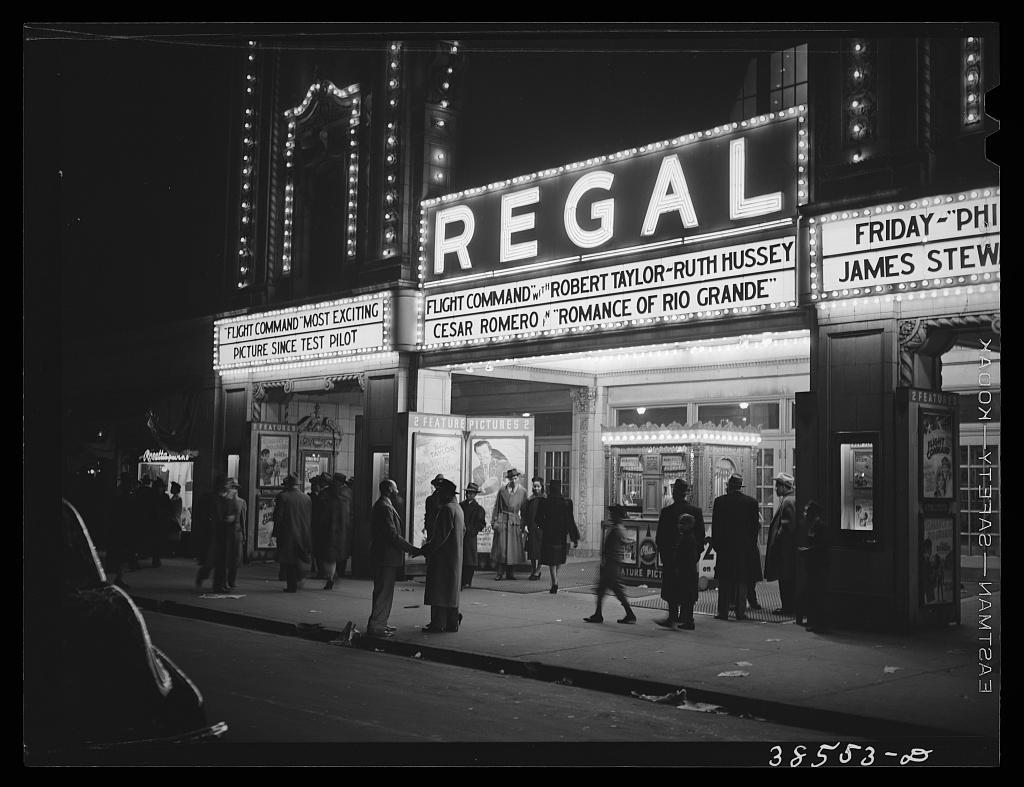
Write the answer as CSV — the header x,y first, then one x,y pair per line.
x,y
684,193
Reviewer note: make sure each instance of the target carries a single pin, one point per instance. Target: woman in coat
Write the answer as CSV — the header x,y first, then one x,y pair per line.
x,y
334,526
443,551
555,517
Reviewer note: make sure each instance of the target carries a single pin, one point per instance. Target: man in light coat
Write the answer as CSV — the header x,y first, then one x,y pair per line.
x,y
386,548
444,562
780,558
293,511
506,519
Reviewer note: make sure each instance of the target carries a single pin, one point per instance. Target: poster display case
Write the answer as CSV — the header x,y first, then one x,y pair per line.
x,y
642,463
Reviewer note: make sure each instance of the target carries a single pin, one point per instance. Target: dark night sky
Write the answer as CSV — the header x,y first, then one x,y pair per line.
x,y
130,134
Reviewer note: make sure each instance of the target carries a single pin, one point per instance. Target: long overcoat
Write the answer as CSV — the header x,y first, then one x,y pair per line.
x,y
558,526
533,530
780,559
335,526
506,519
674,578
444,557
734,526
475,519
292,527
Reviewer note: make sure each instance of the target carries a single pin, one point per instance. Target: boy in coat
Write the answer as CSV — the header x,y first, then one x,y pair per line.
x,y
613,556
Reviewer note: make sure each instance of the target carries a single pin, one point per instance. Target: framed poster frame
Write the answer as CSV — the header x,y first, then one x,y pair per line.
x,y
279,448
937,447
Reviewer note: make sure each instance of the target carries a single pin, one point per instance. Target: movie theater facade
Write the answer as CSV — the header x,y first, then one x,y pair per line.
x,y
676,310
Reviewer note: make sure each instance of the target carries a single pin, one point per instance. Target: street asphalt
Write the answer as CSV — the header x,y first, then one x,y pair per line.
x,y
926,683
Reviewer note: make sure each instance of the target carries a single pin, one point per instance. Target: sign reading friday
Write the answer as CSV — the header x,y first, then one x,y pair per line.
x,y
305,333
740,278
936,240
690,189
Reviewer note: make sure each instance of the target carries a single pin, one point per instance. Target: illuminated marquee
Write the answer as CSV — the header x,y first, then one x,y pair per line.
x,y
321,332
733,180
942,241
736,279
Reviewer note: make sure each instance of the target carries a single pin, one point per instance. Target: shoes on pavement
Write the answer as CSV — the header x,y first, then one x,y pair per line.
x,y
386,634
499,578
329,585
222,589
627,619
721,617
534,576
510,575
754,605
741,617
687,625
594,619
667,623
554,589
800,621
430,628
390,628
780,611
291,590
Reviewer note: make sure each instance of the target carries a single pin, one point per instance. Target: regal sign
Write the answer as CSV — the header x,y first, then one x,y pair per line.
x,y
728,182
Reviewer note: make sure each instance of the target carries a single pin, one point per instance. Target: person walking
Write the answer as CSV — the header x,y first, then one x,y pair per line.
x,y
558,525
293,512
335,530
475,519
174,525
228,521
613,555
734,526
506,519
533,534
666,538
444,562
386,548
149,513
780,558
345,495
202,530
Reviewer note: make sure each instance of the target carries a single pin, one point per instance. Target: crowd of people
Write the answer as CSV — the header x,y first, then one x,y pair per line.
x,y
313,534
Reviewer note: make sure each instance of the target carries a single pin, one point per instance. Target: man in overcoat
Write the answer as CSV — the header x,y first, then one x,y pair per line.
x,y
335,528
506,519
386,548
345,495
666,538
734,526
293,511
780,558
475,518
444,562
228,527
431,506
532,526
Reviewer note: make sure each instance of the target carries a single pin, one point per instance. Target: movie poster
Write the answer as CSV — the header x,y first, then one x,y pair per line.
x,y
265,523
432,454
490,460
936,570
937,481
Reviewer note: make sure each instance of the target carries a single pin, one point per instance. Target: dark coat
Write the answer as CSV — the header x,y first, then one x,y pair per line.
x,y
680,574
430,508
734,526
475,519
386,542
674,576
533,529
558,525
293,512
780,559
444,557
335,526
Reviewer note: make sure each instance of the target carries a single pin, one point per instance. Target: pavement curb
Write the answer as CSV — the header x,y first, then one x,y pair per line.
x,y
732,704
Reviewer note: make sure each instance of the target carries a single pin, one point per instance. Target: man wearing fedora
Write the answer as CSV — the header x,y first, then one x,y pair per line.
x,y
667,539
444,562
507,548
386,555
734,526
475,518
431,506
293,511
228,523
780,557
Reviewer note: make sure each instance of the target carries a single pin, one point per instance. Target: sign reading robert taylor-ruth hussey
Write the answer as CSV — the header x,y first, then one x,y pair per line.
x,y
689,226
304,333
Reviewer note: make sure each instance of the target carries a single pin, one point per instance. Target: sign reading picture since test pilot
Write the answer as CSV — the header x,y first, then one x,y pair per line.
x,y
943,241
697,226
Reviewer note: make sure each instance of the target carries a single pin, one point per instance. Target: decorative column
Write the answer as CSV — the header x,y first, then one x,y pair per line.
x,y
588,458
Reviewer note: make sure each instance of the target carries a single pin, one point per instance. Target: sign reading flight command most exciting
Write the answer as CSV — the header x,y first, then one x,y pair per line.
x,y
304,333
945,240
691,227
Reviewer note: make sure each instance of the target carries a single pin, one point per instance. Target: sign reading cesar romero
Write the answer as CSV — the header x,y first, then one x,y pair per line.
x,y
695,226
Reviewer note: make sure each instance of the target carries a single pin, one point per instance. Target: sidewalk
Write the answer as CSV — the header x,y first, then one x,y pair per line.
x,y
860,683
